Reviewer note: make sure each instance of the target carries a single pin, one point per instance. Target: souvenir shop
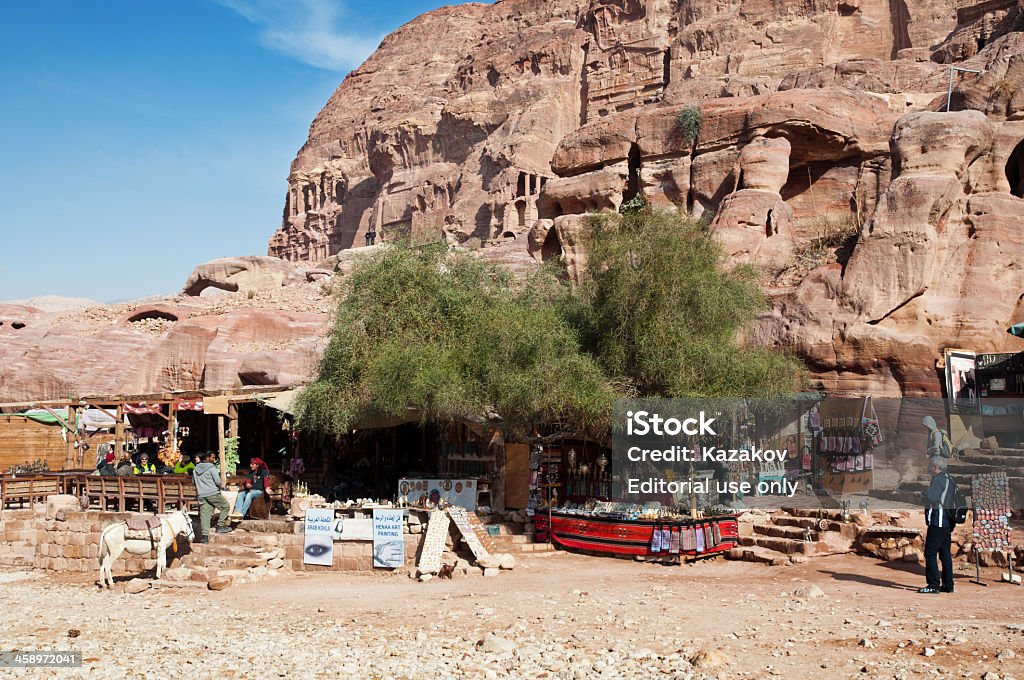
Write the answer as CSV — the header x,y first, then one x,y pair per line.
x,y
842,435
985,396
571,505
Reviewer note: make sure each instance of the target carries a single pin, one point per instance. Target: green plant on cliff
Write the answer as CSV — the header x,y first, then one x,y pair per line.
x,y
687,124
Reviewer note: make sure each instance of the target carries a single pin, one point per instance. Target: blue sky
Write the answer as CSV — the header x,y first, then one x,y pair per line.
x,y
139,139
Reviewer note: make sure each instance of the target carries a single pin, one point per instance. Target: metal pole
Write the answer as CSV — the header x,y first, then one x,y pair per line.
x,y
949,91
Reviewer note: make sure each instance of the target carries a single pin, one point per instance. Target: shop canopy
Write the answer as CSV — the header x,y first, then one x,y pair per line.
x,y
91,419
1016,329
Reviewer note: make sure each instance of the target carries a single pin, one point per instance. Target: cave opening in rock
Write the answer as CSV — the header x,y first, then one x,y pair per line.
x,y
521,212
509,234
152,314
1015,171
521,186
633,181
17,325
552,248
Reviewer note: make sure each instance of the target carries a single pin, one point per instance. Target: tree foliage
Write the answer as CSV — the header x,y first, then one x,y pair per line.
x,y
661,312
419,332
423,334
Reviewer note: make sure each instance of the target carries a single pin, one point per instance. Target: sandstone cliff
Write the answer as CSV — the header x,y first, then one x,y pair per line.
x,y
814,120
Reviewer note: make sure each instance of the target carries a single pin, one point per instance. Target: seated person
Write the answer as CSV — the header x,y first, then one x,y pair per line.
x,y
255,485
184,466
144,467
106,466
125,467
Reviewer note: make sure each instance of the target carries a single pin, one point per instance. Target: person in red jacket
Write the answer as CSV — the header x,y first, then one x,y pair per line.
x,y
255,485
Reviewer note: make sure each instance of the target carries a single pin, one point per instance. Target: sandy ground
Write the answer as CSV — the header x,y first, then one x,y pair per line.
x,y
555,616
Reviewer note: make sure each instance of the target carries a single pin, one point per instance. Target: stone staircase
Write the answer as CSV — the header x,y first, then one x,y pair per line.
x,y
794,535
961,469
514,539
238,557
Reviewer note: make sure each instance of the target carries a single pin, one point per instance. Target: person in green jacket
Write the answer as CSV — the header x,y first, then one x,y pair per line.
x,y
144,467
184,466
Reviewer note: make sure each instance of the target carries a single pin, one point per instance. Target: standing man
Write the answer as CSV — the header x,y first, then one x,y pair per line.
x,y
938,442
206,476
938,514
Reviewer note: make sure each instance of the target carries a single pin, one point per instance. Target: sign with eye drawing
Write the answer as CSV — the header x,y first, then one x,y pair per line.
x,y
318,548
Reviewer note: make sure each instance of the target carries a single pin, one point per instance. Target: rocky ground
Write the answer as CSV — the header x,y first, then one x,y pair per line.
x,y
557,616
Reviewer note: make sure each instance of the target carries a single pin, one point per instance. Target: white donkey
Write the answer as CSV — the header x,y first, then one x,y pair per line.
x,y
113,543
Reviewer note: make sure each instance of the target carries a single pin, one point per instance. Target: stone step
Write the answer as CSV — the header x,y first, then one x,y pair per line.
x,y
1012,453
809,522
758,555
218,562
978,469
215,550
816,513
270,526
1001,461
786,546
785,531
256,541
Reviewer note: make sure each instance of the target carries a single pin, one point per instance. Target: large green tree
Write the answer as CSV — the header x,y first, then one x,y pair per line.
x,y
661,312
423,334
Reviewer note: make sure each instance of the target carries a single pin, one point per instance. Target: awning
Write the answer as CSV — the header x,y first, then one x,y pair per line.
x,y
91,419
280,401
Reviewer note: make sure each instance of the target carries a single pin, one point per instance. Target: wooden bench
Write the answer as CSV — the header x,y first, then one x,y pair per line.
x,y
23,490
160,491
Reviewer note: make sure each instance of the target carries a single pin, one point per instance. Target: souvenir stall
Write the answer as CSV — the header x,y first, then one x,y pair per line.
x,y
571,505
463,473
993,389
845,433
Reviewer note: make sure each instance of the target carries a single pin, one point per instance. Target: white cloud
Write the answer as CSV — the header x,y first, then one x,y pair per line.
x,y
308,31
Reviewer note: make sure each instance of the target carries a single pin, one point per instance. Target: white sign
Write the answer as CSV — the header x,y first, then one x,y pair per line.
x,y
461,492
353,529
319,545
388,542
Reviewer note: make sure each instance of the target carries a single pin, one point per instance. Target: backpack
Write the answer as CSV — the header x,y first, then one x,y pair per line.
x,y
958,508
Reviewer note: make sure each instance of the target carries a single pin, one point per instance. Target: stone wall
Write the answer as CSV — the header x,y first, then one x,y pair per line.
x,y
55,537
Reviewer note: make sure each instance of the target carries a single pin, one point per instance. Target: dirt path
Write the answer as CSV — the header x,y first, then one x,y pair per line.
x,y
558,616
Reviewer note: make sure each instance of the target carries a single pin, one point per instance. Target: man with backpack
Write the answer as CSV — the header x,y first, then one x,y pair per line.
x,y
938,443
945,507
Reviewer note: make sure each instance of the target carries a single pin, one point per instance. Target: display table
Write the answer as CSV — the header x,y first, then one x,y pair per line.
x,y
629,536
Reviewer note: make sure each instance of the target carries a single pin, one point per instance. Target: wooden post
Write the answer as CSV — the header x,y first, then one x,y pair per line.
x,y
172,426
118,434
232,419
69,457
220,447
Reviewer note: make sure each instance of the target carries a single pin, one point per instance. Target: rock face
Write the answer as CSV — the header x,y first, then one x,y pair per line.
x,y
818,124
264,333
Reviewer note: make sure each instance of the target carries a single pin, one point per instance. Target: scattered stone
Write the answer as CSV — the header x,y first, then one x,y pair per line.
x,y
219,582
928,651
275,563
136,585
425,577
864,642
990,676
507,561
709,658
809,592
496,644
1006,654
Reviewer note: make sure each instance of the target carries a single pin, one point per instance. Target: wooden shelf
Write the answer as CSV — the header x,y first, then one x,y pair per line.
x,y
472,459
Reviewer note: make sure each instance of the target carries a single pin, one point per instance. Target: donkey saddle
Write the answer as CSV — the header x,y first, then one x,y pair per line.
x,y
143,529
